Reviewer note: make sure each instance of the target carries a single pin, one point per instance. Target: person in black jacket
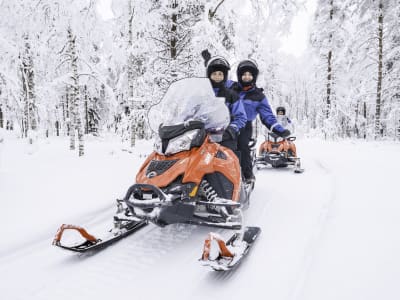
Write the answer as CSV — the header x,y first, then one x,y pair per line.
x,y
217,72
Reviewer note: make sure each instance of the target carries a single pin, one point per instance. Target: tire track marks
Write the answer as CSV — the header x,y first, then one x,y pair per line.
x,y
317,233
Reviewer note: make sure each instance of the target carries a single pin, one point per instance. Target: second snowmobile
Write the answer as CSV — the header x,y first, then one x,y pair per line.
x,y
278,152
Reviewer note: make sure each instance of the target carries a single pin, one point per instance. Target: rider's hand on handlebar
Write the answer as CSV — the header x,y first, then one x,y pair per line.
x,y
229,134
284,133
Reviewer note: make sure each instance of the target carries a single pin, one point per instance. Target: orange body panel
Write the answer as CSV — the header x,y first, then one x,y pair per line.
x,y
270,146
194,165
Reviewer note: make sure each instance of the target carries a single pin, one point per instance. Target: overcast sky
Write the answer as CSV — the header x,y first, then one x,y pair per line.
x,y
296,42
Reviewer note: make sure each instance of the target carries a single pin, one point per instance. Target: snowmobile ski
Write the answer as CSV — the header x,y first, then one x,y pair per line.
x,y
231,252
297,167
91,242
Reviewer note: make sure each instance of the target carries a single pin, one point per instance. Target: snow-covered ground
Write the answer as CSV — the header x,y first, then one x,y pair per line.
x,y
329,233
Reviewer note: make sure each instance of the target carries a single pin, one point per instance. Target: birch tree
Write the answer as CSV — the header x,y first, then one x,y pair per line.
x,y
74,94
27,72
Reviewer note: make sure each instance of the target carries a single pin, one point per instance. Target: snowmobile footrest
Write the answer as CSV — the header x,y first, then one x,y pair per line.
x,y
231,252
220,202
223,250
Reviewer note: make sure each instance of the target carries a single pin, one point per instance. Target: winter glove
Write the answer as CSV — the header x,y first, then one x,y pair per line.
x,y
230,134
284,133
206,56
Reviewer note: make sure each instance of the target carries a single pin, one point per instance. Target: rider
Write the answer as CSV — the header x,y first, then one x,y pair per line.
x,y
217,72
284,120
255,103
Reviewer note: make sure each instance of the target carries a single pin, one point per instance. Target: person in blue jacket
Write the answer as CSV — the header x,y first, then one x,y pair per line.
x,y
255,103
283,119
217,72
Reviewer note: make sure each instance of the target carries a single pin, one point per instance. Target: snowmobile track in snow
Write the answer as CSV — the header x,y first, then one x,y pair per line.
x,y
318,231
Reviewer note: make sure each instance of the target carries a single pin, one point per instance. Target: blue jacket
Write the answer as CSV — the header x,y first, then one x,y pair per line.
x,y
285,122
235,106
255,102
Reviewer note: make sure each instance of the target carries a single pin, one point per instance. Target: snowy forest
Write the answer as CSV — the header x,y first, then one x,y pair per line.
x,y
67,71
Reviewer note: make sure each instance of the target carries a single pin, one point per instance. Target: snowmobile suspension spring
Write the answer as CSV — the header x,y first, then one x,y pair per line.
x,y
208,191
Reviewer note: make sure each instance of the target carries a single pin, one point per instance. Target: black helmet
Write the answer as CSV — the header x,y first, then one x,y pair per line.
x,y
281,109
247,66
218,64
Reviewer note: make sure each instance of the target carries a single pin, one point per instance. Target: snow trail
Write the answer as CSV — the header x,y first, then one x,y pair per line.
x,y
329,233
317,232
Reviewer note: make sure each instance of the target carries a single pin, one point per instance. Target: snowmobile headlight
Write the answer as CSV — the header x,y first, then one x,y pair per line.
x,y
181,143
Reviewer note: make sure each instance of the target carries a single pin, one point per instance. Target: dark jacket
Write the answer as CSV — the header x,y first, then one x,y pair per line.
x,y
235,106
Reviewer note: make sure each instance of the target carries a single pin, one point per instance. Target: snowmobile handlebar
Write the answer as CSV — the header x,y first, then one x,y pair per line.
x,y
275,137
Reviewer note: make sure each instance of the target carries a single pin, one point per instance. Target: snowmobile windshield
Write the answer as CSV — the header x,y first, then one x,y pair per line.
x,y
190,99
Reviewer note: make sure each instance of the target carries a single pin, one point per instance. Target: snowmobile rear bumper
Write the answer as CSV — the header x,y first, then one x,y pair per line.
x,y
276,160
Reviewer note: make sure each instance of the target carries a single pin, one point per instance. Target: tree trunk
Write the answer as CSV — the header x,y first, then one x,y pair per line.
x,y
130,55
365,120
378,126
25,119
1,118
398,116
75,96
62,122
131,102
71,119
328,85
67,110
329,77
173,30
86,111
57,128
28,94
133,131
356,120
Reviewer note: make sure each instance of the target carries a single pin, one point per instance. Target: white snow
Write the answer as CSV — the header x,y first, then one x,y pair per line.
x,y
329,233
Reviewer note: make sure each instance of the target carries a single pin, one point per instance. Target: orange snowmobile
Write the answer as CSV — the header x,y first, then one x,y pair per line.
x,y
201,185
278,152
189,177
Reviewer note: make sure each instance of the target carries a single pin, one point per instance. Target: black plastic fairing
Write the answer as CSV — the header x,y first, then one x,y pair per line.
x,y
167,133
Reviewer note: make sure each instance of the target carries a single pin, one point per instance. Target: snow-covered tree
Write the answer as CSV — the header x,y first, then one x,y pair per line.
x,y
373,62
27,73
328,39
